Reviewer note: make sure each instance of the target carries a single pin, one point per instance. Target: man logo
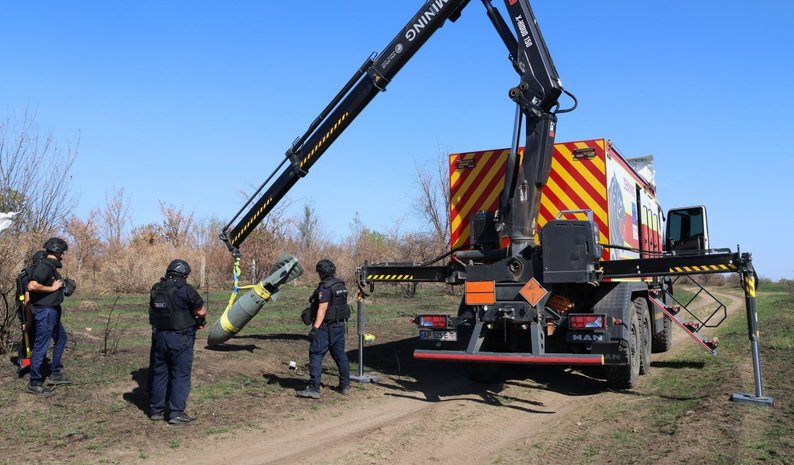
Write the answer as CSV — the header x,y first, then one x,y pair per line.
x,y
587,337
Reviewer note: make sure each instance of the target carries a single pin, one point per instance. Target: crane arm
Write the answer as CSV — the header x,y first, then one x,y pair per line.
x,y
536,95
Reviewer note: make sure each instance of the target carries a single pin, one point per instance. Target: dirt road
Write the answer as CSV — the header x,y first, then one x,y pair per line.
x,y
436,417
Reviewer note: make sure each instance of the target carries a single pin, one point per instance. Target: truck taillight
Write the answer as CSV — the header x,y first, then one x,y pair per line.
x,y
432,321
587,321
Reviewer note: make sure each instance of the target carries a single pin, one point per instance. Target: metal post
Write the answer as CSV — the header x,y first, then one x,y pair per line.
x,y
748,283
360,323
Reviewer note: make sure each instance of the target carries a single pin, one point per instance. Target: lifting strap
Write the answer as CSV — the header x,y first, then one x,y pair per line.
x,y
236,283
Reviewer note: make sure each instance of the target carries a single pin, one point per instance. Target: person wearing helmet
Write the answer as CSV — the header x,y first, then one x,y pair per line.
x,y
46,291
176,310
25,311
329,312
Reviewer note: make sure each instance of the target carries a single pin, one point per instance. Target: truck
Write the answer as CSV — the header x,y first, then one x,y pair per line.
x,y
599,207
581,280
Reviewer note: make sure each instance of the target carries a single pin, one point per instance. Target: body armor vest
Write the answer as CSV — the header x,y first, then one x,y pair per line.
x,y
49,299
338,309
164,314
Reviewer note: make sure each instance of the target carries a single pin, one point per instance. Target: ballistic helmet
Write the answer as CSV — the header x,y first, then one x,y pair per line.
x,y
326,267
178,268
56,245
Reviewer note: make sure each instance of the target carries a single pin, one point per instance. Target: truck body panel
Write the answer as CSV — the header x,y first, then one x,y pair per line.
x,y
587,175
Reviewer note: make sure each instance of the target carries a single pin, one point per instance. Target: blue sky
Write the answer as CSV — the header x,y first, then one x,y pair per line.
x,y
190,103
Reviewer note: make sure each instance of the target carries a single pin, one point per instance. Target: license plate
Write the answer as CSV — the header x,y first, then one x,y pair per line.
x,y
437,335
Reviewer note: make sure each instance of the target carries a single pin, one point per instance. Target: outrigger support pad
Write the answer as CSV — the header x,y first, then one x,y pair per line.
x,y
758,397
360,376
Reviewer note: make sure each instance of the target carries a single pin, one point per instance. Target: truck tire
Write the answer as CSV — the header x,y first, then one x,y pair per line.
x,y
646,334
626,376
663,340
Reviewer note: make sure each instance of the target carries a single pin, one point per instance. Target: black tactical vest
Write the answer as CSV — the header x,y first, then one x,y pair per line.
x,y
49,299
164,314
338,309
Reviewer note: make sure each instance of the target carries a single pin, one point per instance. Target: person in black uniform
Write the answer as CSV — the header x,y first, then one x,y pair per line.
x,y
47,290
176,310
329,313
25,311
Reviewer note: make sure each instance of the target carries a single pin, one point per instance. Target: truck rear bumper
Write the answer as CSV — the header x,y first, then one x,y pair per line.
x,y
497,357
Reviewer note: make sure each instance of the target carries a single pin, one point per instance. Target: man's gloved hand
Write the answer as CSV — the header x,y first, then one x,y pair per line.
x,y
312,333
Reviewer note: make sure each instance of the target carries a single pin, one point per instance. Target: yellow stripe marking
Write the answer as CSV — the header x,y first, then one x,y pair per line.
x,y
260,290
750,285
324,139
227,325
691,269
252,220
569,204
389,277
305,160
560,192
580,167
470,197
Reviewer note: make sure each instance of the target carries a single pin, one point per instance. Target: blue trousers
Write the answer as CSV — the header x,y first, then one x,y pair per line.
x,y
170,366
48,326
329,337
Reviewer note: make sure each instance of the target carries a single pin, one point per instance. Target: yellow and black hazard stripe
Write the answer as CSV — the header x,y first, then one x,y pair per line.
x,y
703,268
723,262
322,141
253,220
390,277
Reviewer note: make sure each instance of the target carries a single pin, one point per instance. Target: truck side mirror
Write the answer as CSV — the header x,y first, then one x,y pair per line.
x,y
687,229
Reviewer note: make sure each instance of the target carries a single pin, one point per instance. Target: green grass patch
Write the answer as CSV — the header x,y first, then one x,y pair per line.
x,y
218,429
687,399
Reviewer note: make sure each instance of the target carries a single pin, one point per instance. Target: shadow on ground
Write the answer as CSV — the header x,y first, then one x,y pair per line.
x,y
439,381
139,395
233,346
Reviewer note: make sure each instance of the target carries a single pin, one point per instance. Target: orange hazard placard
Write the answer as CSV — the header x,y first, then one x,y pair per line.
x,y
533,292
480,292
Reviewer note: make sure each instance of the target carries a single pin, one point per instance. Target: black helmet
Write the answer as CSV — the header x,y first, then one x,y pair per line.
x,y
38,256
326,267
56,245
178,268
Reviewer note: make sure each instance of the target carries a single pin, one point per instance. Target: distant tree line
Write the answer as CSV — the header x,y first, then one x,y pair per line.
x,y
110,255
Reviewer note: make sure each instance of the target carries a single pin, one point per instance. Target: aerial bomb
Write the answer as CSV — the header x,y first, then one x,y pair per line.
x,y
234,318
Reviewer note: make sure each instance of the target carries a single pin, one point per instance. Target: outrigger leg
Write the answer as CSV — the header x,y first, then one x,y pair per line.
x,y
748,278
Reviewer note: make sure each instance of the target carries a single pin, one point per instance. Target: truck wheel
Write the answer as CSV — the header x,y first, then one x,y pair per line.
x,y
663,340
626,376
646,334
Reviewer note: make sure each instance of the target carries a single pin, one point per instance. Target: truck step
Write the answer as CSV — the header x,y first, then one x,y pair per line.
x,y
691,328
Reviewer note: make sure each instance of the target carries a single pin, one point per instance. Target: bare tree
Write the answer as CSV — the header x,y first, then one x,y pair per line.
x,y
177,226
115,218
148,234
34,175
433,200
34,180
310,231
85,244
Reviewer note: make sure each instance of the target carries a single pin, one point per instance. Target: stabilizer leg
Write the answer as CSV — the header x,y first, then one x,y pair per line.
x,y
748,277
